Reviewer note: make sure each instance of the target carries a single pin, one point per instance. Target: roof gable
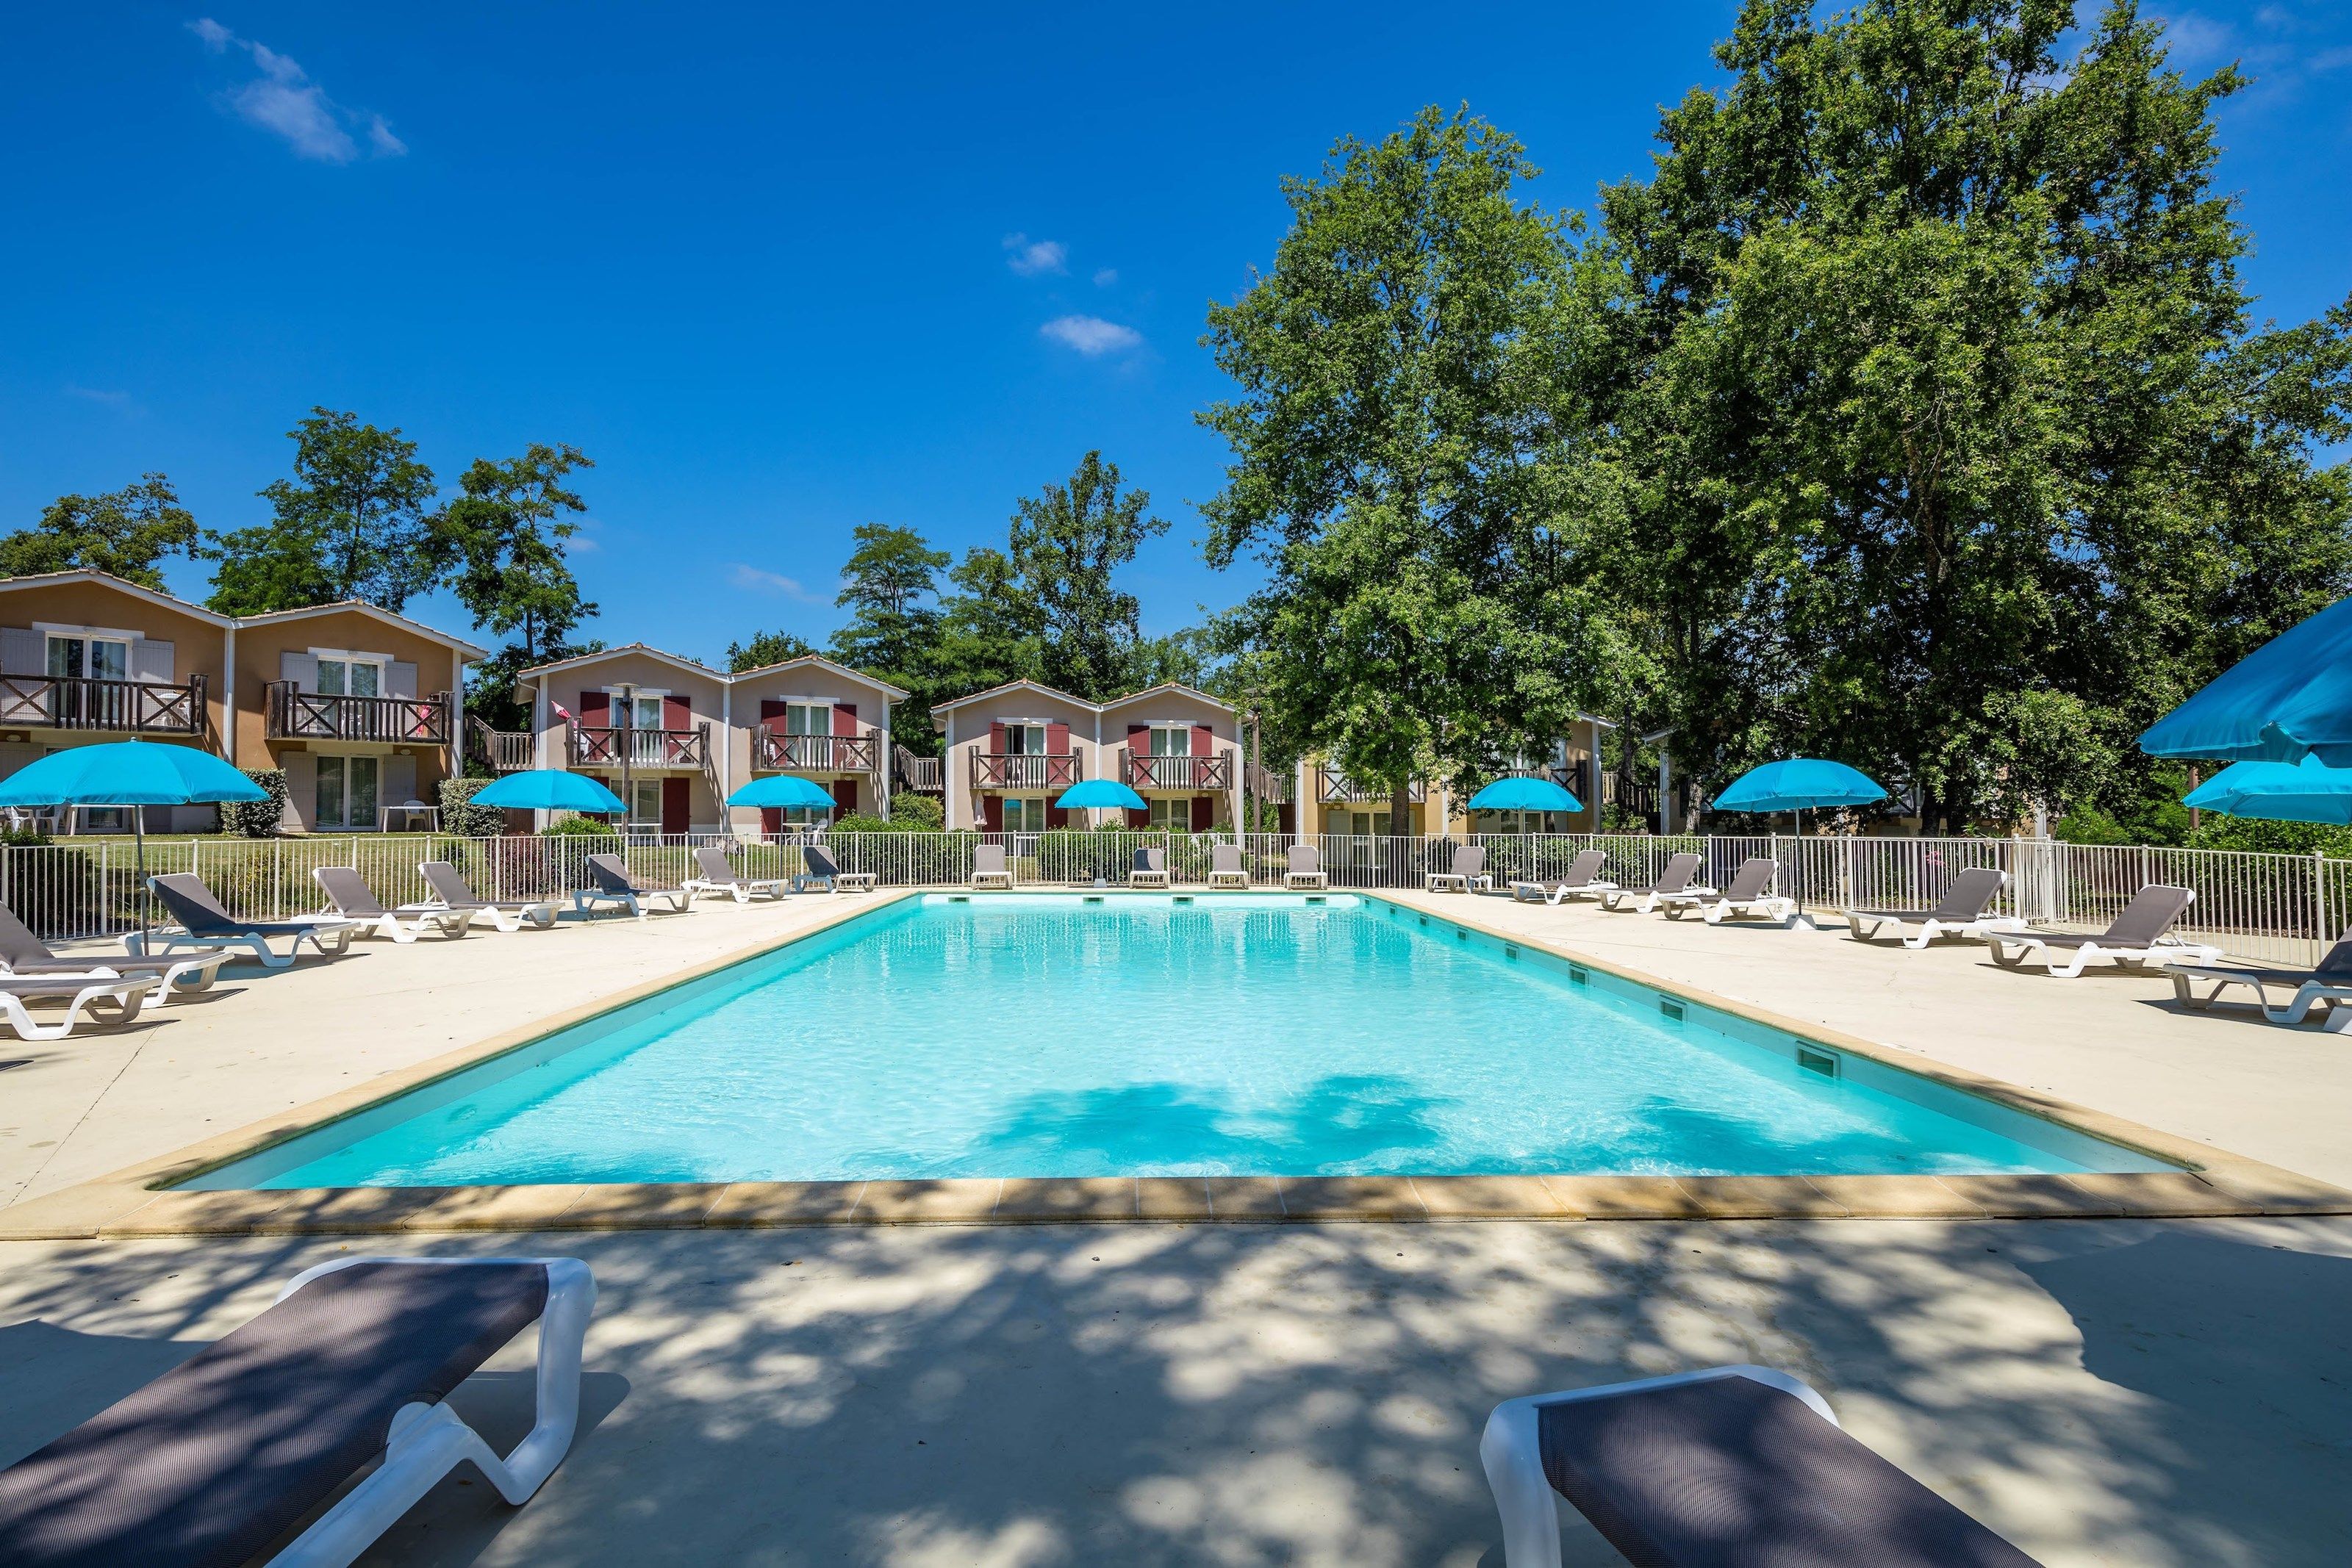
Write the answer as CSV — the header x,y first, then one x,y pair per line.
x,y
107,580
373,612
818,661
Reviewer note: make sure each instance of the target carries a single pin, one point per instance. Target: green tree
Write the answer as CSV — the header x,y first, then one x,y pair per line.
x,y
354,522
1947,444
766,648
124,532
987,633
504,533
890,588
1065,546
1407,461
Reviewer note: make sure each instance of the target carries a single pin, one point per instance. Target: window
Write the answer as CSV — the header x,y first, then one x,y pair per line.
x,y
347,792
1025,740
342,676
1373,822
645,800
1025,816
1170,813
1172,740
74,657
808,718
644,712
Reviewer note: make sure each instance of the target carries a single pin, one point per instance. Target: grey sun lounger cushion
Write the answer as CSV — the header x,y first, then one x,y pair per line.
x,y
192,904
1971,895
450,886
24,953
2149,914
611,874
209,1463
1729,1473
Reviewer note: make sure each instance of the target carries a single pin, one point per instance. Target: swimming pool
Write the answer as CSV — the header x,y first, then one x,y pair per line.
x,y
1074,1035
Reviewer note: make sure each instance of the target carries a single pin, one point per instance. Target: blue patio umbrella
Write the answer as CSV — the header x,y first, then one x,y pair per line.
x,y
780,789
130,773
1799,784
550,790
2306,791
1099,792
2289,699
1525,795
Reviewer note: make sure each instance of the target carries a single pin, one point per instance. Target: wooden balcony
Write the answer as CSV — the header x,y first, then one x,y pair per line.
x,y
124,708
778,752
296,715
1199,774
1333,787
923,775
588,746
499,750
991,771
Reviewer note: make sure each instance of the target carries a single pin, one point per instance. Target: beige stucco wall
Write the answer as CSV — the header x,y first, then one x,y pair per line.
x,y
199,647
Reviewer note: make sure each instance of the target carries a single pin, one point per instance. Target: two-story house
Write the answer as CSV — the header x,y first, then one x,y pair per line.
x,y
1012,749
821,721
360,708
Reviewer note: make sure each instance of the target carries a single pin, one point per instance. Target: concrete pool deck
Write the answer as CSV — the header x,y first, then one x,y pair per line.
x,y
435,1007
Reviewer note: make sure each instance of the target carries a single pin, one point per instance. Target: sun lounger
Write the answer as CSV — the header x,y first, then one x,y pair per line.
x,y
1468,870
105,999
1150,869
1581,880
1303,867
1747,893
26,954
450,892
719,876
612,883
217,1458
1226,868
1675,878
2328,985
988,867
2137,939
818,865
1736,1467
349,893
1960,913
202,921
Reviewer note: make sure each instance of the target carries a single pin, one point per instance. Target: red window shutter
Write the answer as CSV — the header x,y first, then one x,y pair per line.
x,y
595,709
677,714
845,794
991,813
1056,818
1205,812
772,818
1057,739
1139,819
677,808
1286,819
995,739
844,718
1204,744
1138,747
772,715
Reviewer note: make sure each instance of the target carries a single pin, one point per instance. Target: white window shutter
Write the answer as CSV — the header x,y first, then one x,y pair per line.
x,y
150,659
302,669
23,652
302,788
399,781
400,679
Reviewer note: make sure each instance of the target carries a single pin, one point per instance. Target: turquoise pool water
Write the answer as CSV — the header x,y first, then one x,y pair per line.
x,y
1048,1035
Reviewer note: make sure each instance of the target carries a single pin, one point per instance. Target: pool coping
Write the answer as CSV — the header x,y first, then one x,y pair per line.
x,y
132,1202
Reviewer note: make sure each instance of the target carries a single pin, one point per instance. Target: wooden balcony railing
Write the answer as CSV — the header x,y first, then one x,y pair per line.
x,y
989,772
815,753
601,748
296,714
1141,770
923,775
78,702
1332,786
1266,785
499,750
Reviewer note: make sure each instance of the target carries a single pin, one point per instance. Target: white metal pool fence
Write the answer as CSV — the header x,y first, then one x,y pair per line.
x,y
2275,907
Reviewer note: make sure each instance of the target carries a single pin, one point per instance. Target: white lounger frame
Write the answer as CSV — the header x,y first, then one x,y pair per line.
x,y
410,921
206,969
428,1441
101,986
584,900
1561,894
1715,910
541,912
329,936
740,889
1514,1458
1983,925
1237,877
1649,900
2165,950
2337,999
1439,881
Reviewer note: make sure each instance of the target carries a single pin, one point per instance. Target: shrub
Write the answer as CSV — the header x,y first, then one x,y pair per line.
x,y
28,837
461,817
859,823
913,813
577,827
258,818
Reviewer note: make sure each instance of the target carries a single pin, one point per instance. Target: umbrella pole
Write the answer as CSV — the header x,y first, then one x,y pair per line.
x,y
138,837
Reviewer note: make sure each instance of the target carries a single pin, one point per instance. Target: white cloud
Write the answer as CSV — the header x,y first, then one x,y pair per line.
x,y
1105,278
97,394
285,103
1091,335
744,575
1031,257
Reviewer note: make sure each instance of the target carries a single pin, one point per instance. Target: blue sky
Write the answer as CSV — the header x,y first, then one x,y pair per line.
x,y
780,272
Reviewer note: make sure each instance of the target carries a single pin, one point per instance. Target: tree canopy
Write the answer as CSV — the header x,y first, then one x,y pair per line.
x,y
354,522
503,537
124,532
766,648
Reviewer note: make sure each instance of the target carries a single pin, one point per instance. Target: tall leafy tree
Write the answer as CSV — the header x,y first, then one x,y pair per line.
x,y
987,633
1406,463
890,587
1065,545
504,536
1949,446
766,648
354,522
125,532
